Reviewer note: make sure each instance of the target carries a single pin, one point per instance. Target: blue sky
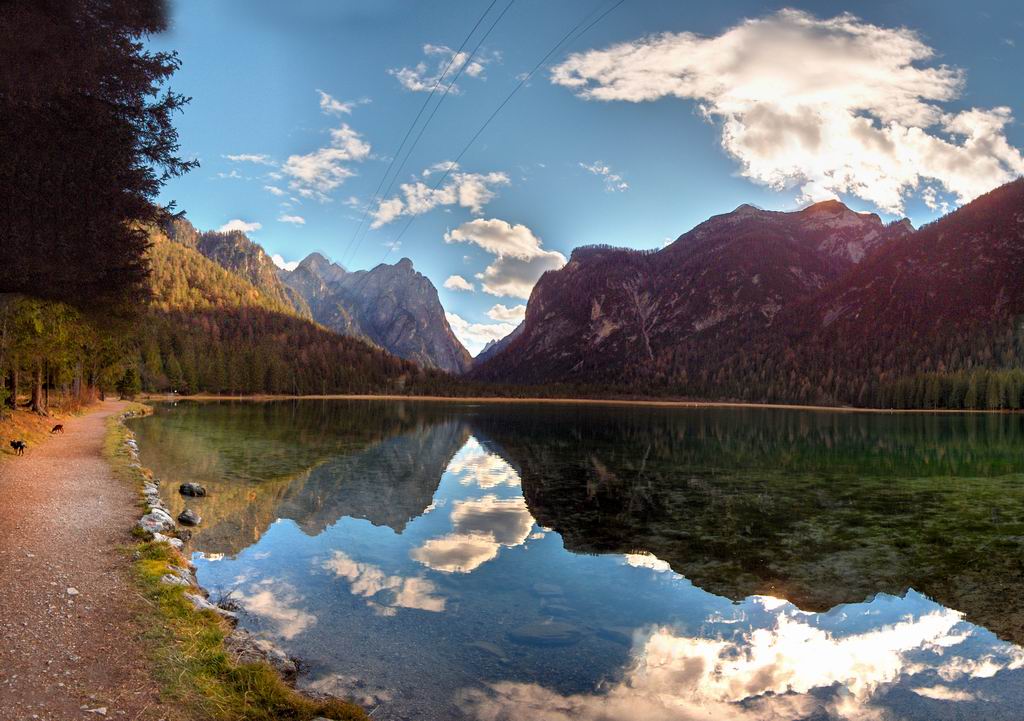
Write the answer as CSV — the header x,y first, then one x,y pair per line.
x,y
663,114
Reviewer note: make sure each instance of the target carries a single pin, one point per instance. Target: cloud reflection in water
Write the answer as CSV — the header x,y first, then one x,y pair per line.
x,y
788,668
384,592
480,526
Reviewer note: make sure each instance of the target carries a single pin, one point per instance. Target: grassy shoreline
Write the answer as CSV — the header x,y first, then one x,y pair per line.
x,y
648,402
194,670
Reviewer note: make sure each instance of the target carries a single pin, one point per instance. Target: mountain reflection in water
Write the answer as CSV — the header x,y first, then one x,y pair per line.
x,y
490,562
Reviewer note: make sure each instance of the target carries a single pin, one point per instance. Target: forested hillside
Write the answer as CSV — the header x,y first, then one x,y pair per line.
x,y
210,330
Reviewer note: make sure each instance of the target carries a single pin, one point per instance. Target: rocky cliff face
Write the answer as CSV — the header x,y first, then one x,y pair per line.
x,y
819,306
620,316
392,305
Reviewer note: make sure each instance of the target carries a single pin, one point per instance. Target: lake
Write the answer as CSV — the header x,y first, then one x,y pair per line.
x,y
519,562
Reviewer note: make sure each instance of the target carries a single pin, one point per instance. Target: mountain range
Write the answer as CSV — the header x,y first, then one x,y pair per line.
x,y
822,305
391,306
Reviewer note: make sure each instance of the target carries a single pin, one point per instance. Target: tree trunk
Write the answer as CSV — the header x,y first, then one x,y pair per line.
x,y
38,404
12,385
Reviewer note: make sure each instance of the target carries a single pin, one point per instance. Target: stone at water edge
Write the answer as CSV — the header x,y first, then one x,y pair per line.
x,y
191,489
171,580
202,604
156,522
189,517
175,543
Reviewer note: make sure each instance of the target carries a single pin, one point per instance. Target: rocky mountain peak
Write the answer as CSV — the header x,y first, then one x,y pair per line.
x,y
393,306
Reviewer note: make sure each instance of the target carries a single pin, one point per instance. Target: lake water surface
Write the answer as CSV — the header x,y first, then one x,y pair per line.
x,y
513,562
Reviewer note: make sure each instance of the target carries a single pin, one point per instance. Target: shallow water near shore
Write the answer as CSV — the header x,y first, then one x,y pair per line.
x,y
488,561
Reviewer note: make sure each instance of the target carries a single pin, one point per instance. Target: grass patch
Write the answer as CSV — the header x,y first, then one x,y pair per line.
x,y
192,666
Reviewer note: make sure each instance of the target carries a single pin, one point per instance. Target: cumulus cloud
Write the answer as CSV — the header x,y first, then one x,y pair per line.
x,y
283,264
613,182
826,105
440,67
293,219
515,314
316,174
259,159
474,336
274,190
239,225
457,282
467,190
520,260
332,106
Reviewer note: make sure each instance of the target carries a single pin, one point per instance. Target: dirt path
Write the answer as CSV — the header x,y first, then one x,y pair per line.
x,y
63,519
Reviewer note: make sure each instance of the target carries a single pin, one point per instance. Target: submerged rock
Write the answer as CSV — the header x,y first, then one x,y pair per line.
x,y
175,543
189,517
202,604
246,648
191,489
546,633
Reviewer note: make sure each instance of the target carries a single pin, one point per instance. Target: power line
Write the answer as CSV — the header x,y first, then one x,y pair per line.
x,y
437,84
574,35
438,105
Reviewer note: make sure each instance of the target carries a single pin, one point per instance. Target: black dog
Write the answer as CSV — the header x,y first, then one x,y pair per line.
x,y
59,428
19,447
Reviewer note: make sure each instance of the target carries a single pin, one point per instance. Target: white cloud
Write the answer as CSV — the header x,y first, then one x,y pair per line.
x,y
283,264
273,190
515,314
445,166
315,174
520,260
239,225
829,105
332,106
258,158
467,190
424,78
613,182
293,219
457,282
475,335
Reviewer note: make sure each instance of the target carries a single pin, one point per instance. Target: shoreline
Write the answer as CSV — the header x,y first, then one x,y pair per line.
x,y
201,645
639,402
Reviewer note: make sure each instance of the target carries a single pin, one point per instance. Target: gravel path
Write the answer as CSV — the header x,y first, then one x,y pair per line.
x,y
63,519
